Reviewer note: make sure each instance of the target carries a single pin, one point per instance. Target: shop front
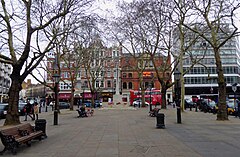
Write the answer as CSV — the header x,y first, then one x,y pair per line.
x,y
106,95
64,97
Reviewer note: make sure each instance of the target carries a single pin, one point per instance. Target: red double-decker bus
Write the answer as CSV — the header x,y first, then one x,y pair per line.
x,y
152,96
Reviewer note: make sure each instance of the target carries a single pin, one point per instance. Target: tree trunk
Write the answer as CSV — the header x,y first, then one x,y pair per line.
x,y
92,99
163,92
222,112
143,97
72,99
12,117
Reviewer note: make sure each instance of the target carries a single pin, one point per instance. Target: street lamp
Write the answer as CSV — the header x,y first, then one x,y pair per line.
x,y
83,88
234,88
56,78
177,76
140,98
150,87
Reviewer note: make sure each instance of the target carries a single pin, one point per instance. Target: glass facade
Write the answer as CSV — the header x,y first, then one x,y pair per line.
x,y
197,80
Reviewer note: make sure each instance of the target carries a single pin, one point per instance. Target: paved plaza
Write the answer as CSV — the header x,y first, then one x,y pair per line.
x,y
122,131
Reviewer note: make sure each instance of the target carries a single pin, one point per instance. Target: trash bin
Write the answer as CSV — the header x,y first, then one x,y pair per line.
x,y
40,124
160,120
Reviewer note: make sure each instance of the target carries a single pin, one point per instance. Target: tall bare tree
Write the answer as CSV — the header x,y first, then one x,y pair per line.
x,y
94,64
27,35
215,23
147,28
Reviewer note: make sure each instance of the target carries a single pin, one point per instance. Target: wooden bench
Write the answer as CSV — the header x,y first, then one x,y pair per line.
x,y
20,134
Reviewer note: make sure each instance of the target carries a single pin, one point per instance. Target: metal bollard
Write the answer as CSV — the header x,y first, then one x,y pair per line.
x,y
179,115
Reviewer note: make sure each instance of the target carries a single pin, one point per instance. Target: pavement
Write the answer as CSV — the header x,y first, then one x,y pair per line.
x,y
123,131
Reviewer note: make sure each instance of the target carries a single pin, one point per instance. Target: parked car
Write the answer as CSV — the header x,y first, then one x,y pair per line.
x,y
64,105
98,103
231,108
212,106
21,106
208,105
139,101
188,103
88,103
3,110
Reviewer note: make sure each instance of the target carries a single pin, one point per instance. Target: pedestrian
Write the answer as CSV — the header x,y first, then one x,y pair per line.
x,y
28,110
78,103
238,109
35,111
82,111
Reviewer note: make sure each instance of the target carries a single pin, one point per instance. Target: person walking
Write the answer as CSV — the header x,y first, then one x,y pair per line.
x,y
238,109
35,111
28,110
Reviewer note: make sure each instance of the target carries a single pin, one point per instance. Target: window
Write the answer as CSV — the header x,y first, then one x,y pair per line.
x,y
102,73
130,85
108,83
124,75
150,64
130,75
79,74
102,84
109,74
146,84
97,83
65,74
114,54
65,86
86,84
124,85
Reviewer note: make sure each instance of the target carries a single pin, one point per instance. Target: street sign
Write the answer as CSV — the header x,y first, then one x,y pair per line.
x,y
234,88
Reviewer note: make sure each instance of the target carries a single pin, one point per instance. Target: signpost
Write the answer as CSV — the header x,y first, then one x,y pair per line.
x,y
234,88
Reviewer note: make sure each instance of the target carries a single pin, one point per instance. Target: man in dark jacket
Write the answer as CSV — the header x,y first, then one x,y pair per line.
x,y
28,111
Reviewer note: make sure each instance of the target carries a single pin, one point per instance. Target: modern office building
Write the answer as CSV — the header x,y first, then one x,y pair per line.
x,y
202,78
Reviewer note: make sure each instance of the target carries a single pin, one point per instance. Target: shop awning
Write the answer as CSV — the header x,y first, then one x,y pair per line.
x,y
64,96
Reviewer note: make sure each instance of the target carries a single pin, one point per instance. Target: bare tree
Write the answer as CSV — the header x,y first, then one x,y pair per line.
x,y
215,24
94,64
27,35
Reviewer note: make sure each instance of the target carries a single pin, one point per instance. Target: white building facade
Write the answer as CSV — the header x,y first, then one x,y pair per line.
x,y
5,81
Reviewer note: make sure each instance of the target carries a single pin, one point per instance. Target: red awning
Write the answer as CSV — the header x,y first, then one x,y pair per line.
x,y
64,96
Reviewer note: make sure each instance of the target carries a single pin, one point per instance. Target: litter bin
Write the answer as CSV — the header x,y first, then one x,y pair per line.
x,y
40,124
160,120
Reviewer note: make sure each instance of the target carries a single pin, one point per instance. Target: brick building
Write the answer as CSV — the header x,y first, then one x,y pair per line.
x,y
130,74
106,83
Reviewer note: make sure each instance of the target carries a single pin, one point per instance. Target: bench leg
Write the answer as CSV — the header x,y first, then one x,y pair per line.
x,y
14,150
4,150
12,146
28,143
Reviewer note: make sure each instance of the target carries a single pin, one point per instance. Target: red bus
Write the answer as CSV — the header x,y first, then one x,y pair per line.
x,y
154,94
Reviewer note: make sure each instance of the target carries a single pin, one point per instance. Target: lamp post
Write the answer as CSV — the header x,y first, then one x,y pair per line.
x,y
83,88
177,76
150,86
56,78
140,98
234,88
